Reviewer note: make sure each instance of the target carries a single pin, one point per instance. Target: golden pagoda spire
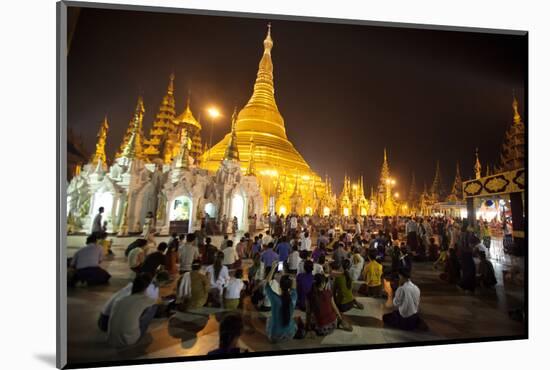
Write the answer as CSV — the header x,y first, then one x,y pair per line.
x,y
251,170
129,150
99,155
232,151
263,98
487,171
385,172
477,166
171,84
135,130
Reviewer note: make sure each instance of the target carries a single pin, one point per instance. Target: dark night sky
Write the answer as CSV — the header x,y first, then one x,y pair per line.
x,y
345,91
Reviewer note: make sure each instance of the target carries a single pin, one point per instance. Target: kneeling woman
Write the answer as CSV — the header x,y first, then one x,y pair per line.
x,y
343,295
281,325
323,315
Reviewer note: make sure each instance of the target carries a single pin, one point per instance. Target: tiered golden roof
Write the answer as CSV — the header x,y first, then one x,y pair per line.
x,y
512,155
163,126
134,131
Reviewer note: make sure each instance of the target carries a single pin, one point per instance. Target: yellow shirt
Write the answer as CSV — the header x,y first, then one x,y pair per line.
x,y
373,273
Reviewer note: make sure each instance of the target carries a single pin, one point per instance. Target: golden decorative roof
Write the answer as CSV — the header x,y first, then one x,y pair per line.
x,y
187,116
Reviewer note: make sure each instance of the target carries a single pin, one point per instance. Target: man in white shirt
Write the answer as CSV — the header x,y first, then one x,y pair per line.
x,y
293,224
266,239
131,315
233,291
96,224
230,255
306,242
407,300
152,292
188,253
86,263
294,260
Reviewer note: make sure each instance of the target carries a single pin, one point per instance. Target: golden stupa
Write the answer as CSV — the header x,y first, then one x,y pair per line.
x,y
286,179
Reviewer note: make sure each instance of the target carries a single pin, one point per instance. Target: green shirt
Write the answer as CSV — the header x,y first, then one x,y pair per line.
x,y
342,294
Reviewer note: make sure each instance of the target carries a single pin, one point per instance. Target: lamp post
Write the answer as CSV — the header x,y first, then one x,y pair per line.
x,y
214,113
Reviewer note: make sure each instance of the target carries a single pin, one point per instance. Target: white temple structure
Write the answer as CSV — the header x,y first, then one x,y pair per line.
x,y
178,194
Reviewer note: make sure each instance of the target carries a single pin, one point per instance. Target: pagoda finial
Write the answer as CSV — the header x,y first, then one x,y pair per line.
x,y
517,117
385,155
487,170
268,42
477,165
171,84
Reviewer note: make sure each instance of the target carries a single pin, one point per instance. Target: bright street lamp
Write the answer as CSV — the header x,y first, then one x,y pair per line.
x,y
214,113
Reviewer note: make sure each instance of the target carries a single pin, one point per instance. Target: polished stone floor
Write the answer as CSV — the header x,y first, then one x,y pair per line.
x,y
448,313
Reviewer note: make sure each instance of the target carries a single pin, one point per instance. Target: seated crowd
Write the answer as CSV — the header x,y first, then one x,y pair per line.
x,y
286,273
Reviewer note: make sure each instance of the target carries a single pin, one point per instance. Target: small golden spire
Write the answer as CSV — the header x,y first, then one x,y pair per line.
x,y
99,155
232,150
129,150
477,165
517,117
132,148
171,84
